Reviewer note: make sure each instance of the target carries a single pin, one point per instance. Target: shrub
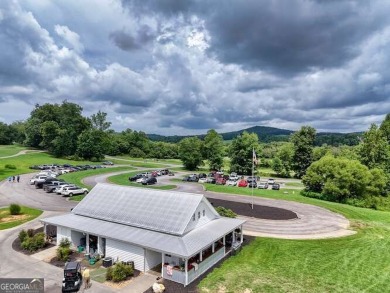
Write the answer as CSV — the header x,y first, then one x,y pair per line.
x,y
10,166
30,232
109,274
63,253
22,235
14,209
226,212
34,243
65,243
121,271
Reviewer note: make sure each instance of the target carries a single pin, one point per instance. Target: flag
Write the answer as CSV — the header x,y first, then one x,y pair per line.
x,y
254,157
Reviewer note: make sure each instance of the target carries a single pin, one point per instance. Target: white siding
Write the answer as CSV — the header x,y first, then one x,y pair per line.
x,y
152,259
122,251
76,236
200,221
63,232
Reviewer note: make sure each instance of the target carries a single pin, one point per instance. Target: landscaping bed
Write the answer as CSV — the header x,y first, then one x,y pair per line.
x,y
16,245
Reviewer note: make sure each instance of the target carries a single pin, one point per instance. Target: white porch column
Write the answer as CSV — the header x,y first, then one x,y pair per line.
x,y
186,271
87,243
98,246
233,237
201,256
162,264
213,247
224,240
242,234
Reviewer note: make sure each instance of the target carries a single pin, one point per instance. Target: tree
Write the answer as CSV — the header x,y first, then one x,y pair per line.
x,y
241,152
213,149
385,128
99,121
340,179
303,143
190,152
374,150
282,163
91,145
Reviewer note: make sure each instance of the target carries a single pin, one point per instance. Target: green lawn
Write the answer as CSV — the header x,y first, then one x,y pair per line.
x,y
22,163
295,184
99,274
359,263
30,212
123,179
9,150
161,161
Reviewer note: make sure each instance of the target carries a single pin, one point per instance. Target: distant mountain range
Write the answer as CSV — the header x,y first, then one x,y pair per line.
x,y
269,134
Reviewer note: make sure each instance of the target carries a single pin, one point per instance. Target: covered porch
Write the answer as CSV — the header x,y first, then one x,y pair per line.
x,y
186,270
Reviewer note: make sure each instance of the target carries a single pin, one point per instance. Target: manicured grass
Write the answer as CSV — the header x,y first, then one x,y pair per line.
x,y
98,275
161,161
123,179
30,212
22,163
9,150
77,177
358,263
295,184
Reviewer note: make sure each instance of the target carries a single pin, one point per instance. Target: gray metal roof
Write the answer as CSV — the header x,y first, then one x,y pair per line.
x,y
182,246
157,210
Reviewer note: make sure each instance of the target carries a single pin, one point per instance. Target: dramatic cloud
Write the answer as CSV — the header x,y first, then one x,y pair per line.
x,y
181,67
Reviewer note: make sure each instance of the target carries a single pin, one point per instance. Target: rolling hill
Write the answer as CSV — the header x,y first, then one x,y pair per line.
x,y
270,134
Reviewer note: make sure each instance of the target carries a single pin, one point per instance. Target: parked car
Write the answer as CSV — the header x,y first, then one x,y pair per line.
x,y
202,175
38,178
202,180
276,186
234,176
231,182
171,173
210,179
252,183
109,163
149,181
60,188
73,190
193,178
135,177
48,180
139,180
220,181
53,186
262,185
271,181
242,183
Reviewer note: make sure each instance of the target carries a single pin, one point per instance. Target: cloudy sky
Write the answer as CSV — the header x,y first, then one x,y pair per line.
x,y
183,67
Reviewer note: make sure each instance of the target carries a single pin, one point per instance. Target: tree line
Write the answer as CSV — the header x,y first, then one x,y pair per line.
x,y
343,173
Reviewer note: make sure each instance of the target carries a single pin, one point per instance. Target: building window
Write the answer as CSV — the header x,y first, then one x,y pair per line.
x,y
198,215
204,213
193,217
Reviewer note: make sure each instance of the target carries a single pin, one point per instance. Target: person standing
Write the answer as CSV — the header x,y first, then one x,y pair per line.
x,y
86,277
17,178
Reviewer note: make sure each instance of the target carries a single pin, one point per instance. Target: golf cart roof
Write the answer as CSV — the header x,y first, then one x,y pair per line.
x,y
72,265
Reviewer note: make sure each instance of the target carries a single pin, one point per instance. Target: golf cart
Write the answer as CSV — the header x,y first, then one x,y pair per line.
x,y
72,277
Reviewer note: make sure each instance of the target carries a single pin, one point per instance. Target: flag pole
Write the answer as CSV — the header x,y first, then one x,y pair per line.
x,y
253,163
